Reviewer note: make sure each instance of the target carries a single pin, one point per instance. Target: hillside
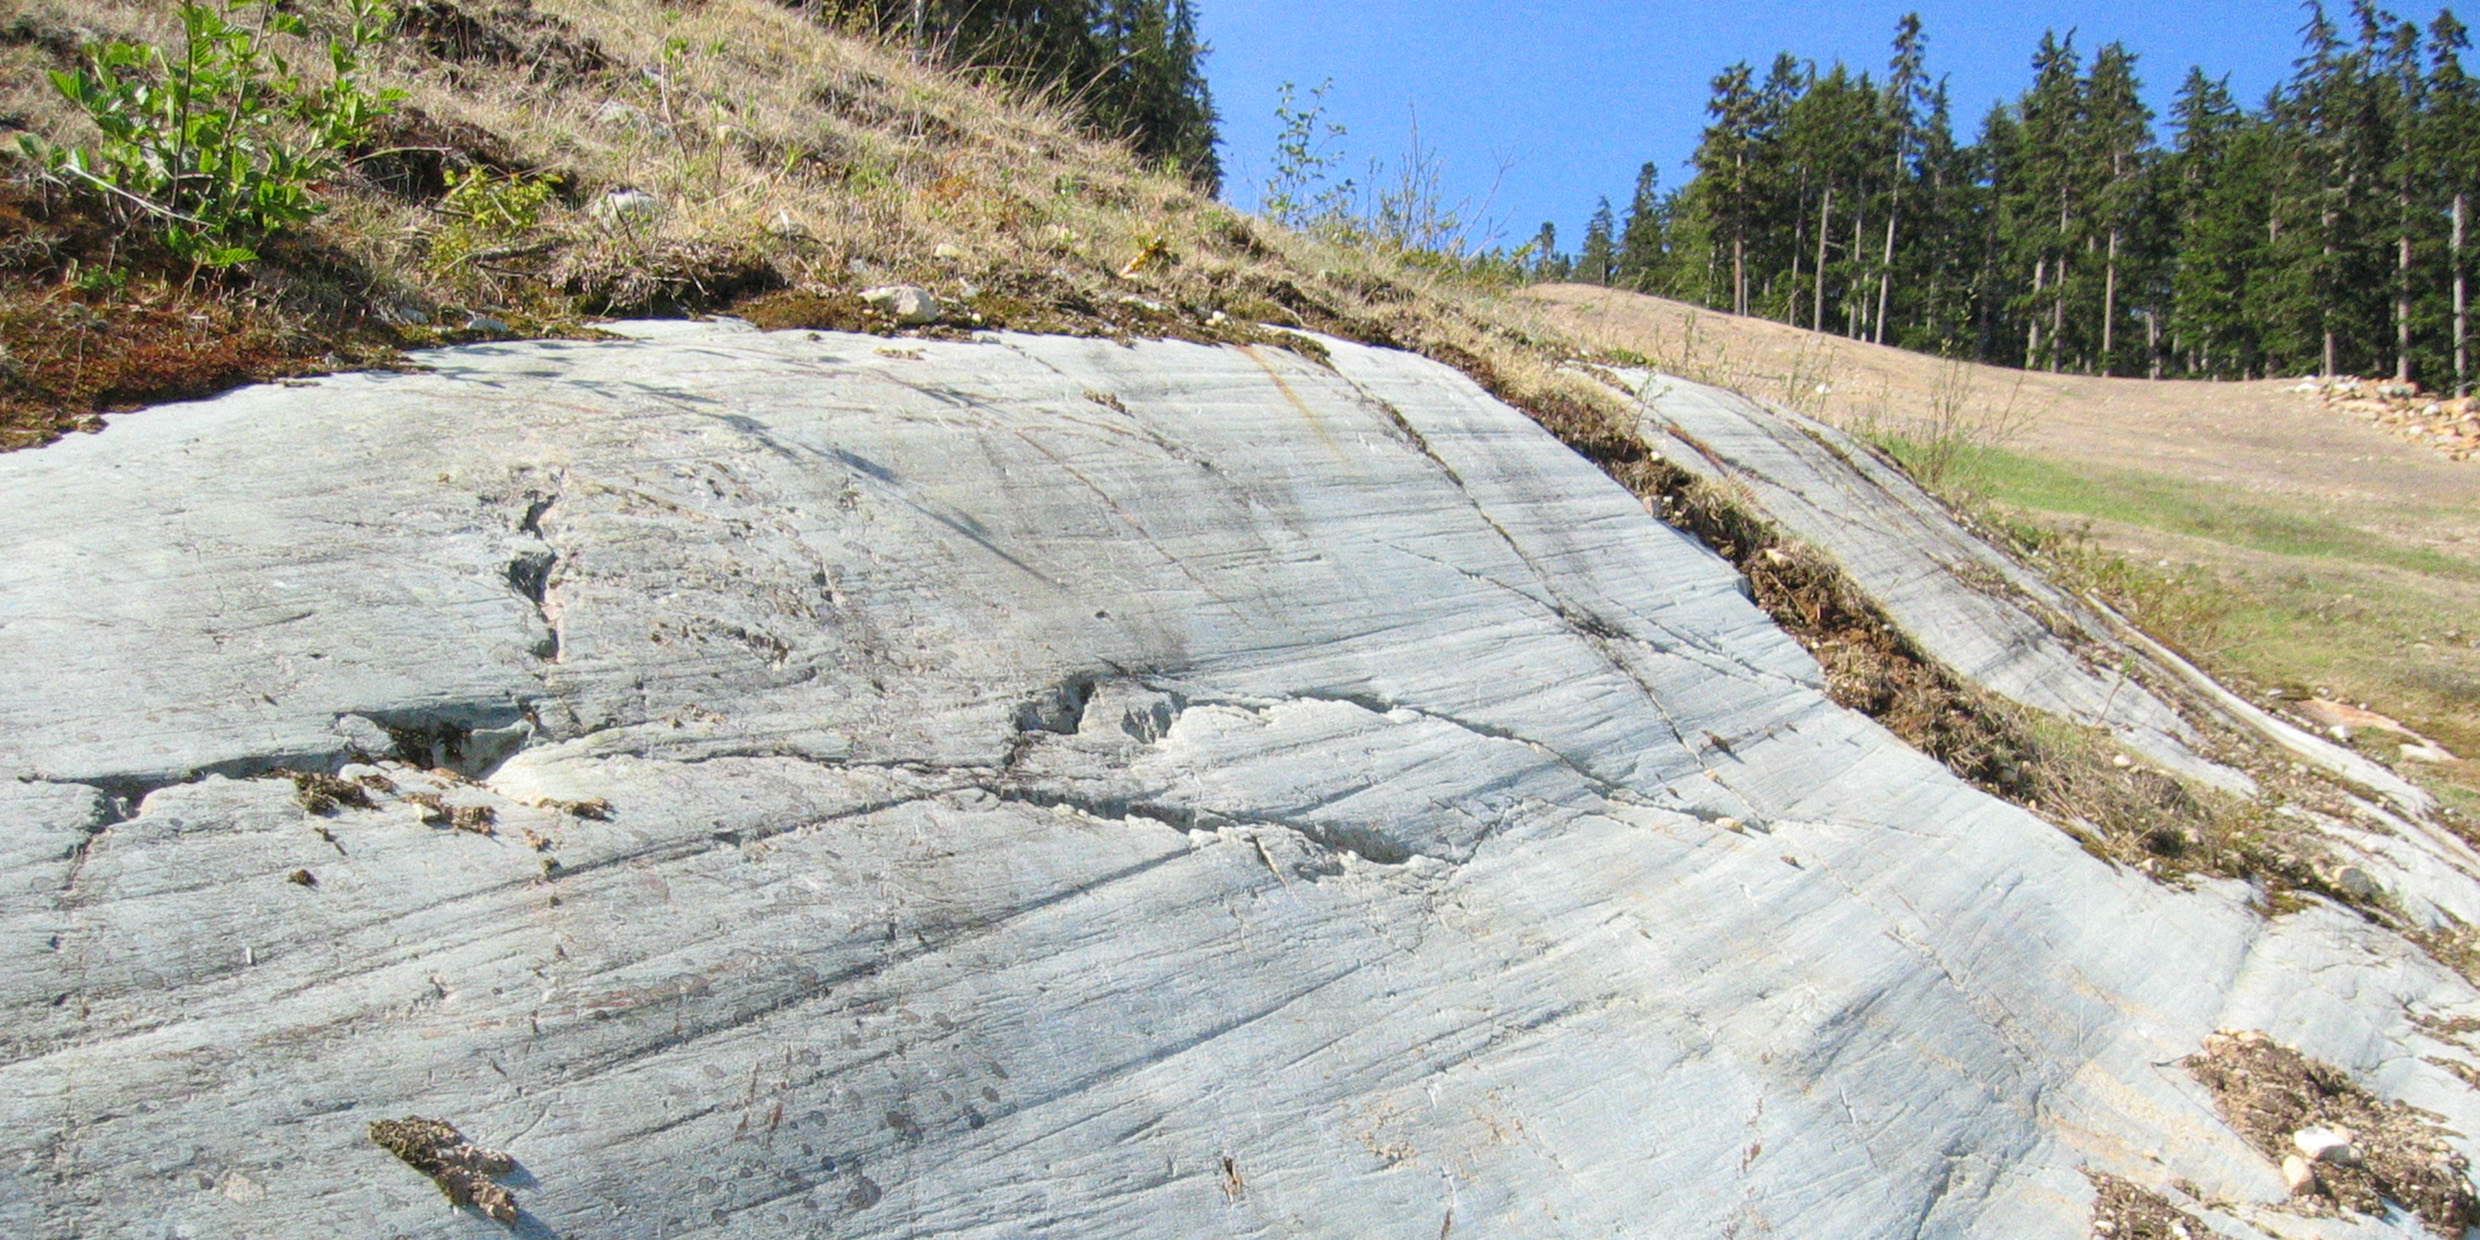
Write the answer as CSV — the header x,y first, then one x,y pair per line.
x,y
560,161
2289,543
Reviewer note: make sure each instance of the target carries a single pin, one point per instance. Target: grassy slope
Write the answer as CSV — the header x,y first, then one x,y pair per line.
x,y
2292,549
790,167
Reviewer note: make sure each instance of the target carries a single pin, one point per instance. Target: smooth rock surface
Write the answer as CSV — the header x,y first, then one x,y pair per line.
x,y
1277,800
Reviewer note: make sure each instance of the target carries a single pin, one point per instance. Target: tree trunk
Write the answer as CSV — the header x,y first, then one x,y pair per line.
x,y
1856,311
1799,242
2462,376
2402,291
2152,344
2109,304
2325,294
1825,223
1739,274
2032,332
1885,278
2057,315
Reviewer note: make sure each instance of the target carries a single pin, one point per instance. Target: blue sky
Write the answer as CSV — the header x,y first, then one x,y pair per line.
x,y
1577,95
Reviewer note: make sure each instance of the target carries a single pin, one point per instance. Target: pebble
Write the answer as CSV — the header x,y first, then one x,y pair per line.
x,y
488,325
624,204
2298,1174
908,304
2355,883
2331,1145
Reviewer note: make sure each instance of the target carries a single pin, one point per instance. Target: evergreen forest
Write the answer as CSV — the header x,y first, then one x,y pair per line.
x,y
2325,228
1132,69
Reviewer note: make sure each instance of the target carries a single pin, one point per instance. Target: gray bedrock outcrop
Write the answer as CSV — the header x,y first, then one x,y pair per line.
x,y
2009,630
1056,788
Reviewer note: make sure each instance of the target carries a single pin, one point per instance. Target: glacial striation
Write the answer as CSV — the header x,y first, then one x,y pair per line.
x,y
792,784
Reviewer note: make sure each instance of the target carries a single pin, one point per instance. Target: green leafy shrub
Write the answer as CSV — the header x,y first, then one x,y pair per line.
x,y
221,143
486,212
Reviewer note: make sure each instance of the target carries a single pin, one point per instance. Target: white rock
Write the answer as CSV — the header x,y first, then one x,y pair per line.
x,y
2326,1145
2297,1174
908,304
625,206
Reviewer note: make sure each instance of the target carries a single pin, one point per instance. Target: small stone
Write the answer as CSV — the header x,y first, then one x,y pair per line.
x,y
2354,882
488,326
1728,824
625,116
786,227
946,252
908,304
302,878
2121,760
2331,1145
2298,1174
625,204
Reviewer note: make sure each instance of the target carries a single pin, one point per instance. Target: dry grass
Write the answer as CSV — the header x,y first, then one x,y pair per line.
x,y
786,167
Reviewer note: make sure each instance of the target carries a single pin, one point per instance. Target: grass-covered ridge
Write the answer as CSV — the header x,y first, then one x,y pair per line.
x,y
555,161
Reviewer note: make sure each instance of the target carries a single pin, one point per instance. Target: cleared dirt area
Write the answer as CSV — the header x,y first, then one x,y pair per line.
x,y
2293,548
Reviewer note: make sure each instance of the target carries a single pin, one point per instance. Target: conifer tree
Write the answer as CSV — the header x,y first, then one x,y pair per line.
x,y
2117,135
2452,145
1725,164
1596,261
2327,228
1641,250
1907,93
1133,69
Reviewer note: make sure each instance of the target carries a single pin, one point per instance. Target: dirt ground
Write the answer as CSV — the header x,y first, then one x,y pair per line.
x,y
2182,477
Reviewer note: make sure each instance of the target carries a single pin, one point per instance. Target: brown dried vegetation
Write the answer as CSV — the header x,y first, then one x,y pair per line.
x,y
94,318
2123,1210
324,794
2267,1092
462,1170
